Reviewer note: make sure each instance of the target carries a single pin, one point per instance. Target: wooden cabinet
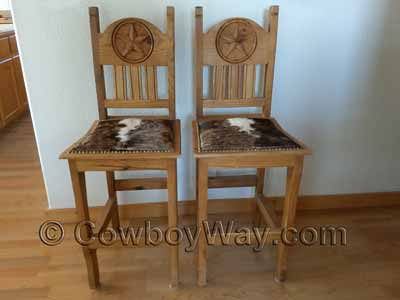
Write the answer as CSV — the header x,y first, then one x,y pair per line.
x,y
13,45
13,97
20,85
4,48
9,102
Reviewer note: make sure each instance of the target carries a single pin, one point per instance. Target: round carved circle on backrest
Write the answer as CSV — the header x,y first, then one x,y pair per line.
x,y
236,40
132,41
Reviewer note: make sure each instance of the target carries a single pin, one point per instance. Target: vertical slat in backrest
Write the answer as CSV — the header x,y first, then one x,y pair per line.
x,y
120,82
136,83
218,84
233,81
151,83
240,54
248,81
135,49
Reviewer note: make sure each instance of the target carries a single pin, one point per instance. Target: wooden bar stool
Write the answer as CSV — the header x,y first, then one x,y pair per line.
x,y
135,49
238,54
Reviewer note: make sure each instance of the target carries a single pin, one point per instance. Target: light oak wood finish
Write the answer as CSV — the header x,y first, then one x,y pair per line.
x,y
127,72
13,45
259,192
13,97
20,85
5,51
112,202
173,220
110,48
236,46
367,268
140,184
233,48
81,204
289,211
202,211
267,211
231,181
199,63
9,97
5,17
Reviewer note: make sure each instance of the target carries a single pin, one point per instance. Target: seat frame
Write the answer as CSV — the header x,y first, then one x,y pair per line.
x,y
206,54
163,54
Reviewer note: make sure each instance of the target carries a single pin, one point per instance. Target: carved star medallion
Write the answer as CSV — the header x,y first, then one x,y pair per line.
x,y
236,41
132,41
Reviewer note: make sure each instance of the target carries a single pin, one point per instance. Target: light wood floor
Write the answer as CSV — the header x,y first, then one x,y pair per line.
x,y
367,268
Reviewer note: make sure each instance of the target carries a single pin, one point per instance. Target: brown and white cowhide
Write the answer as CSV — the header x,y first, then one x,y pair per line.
x,y
132,134
243,134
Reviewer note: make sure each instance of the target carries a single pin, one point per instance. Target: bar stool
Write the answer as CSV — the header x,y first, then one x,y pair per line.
x,y
234,51
135,49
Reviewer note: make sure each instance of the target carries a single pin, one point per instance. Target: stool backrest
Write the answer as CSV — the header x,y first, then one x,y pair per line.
x,y
136,51
237,58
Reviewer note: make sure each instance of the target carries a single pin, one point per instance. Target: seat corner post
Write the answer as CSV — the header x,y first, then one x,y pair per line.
x,y
173,222
81,203
293,180
202,207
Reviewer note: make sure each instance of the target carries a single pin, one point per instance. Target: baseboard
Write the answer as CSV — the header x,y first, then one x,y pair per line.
x,y
347,201
217,206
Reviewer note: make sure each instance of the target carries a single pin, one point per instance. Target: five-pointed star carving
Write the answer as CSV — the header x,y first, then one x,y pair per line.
x,y
134,42
236,41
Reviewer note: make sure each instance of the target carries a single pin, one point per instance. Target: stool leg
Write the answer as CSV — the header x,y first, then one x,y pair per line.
x,y
259,191
289,212
195,254
113,193
92,266
79,187
202,199
173,221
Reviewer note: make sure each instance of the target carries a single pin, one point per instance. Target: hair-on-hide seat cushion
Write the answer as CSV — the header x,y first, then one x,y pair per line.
x,y
243,134
127,135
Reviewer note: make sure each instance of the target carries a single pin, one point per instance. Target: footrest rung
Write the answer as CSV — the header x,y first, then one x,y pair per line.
x,y
106,214
267,211
141,184
217,182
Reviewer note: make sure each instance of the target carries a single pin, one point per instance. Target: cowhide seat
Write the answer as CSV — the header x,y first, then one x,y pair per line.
x,y
133,51
127,135
236,58
243,134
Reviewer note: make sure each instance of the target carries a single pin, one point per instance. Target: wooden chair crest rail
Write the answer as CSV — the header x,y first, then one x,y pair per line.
x,y
135,49
232,52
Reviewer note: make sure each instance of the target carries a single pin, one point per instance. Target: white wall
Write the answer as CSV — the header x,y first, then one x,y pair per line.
x,y
5,5
336,87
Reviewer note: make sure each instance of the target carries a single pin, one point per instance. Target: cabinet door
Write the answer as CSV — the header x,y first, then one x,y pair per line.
x,y
9,105
13,45
4,48
19,78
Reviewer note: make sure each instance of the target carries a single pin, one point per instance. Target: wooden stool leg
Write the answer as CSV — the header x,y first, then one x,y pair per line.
x,y
113,193
289,212
202,182
173,221
79,187
195,254
92,266
259,191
